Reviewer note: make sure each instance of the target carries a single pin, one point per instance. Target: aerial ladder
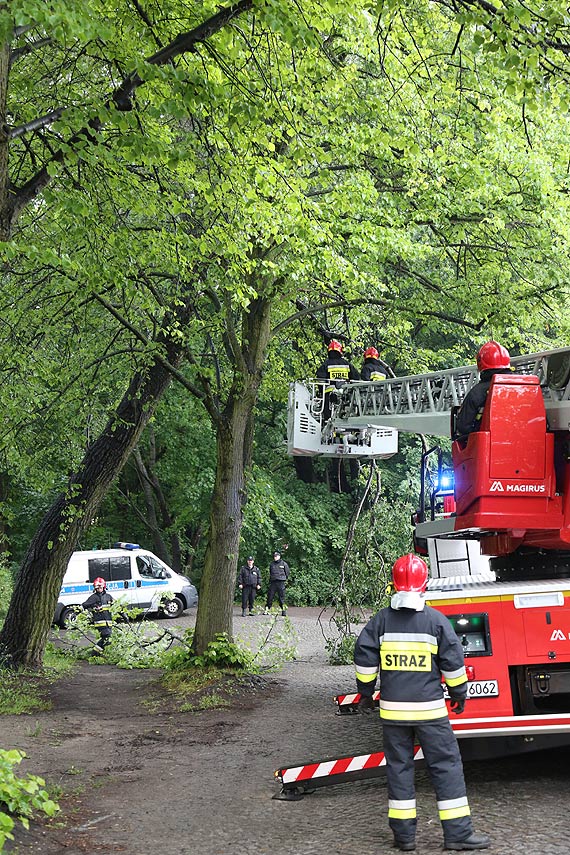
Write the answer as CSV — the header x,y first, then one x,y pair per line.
x,y
508,598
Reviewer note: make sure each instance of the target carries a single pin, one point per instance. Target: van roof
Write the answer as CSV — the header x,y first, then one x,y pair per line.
x,y
108,553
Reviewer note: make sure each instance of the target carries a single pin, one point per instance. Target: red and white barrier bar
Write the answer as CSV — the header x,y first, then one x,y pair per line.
x,y
349,768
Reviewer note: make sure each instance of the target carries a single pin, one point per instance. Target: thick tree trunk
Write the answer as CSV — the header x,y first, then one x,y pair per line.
x,y
234,447
25,631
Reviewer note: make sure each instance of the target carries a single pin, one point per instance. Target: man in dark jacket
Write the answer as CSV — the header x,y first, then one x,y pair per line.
x,y
278,575
249,583
337,370
410,647
101,618
492,359
372,368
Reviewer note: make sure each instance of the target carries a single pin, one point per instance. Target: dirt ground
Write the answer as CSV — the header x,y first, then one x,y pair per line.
x,y
138,776
122,754
112,729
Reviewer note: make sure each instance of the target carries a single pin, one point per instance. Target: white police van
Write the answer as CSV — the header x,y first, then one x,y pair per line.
x,y
134,575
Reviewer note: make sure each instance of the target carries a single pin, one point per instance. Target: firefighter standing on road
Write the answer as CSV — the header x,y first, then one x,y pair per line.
x,y
101,618
249,583
492,359
338,370
410,646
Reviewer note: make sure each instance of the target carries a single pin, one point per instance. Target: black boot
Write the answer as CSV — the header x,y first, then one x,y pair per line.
x,y
243,612
405,845
474,841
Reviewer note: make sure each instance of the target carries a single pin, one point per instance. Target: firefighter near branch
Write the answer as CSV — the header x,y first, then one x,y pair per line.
x,y
410,647
101,618
372,368
492,359
337,370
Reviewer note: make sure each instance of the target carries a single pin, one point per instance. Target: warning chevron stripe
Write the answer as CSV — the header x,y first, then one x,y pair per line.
x,y
341,766
348,700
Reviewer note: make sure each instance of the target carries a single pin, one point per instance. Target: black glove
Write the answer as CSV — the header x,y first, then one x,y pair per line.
x,y
457,706
365,705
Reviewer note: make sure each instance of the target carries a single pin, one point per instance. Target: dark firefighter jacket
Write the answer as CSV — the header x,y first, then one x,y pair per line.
x,y
278,571
337,368
97,604
410,651
372,370
471,410
249,576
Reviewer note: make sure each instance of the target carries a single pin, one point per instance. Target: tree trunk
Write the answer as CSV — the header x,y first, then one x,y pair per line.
x,y
25,631
234,448
147,485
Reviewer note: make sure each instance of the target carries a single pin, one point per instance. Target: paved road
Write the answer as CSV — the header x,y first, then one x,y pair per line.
x,y
522,803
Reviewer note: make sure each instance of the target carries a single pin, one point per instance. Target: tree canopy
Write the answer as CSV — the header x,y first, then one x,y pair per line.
x,y
199,194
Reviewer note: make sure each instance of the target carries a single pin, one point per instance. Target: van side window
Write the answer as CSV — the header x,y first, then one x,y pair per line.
x,y
144,567
111,569
158,571
150,568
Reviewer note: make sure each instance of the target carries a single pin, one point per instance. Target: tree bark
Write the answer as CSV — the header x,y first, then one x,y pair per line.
x,y
234,449
24,634
151,520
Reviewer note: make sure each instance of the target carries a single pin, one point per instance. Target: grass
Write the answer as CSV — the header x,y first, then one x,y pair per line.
x,y
25,692
195,689
205,702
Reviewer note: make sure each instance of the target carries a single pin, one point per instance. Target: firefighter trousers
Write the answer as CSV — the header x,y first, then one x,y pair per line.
x,y
443,760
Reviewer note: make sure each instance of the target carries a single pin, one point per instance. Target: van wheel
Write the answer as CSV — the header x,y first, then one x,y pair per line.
x,y
67,618
173,608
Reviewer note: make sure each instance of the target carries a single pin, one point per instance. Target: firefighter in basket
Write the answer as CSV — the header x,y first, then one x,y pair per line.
x,y
101,618
337,369
372,369
409,646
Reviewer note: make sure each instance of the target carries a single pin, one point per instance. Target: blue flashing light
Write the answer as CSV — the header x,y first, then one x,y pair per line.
x,y
121,545
445,484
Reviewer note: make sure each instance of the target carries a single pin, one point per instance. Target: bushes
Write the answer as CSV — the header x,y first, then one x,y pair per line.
x,y
20,797
6,586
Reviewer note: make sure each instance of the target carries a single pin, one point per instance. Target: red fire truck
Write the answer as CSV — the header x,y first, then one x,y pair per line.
x,y
498,543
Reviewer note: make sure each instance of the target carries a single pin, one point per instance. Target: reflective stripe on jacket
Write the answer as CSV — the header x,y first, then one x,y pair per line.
x,y
410,652
97,604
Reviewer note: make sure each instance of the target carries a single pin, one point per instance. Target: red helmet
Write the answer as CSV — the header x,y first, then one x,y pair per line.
x,y
493,355
410,573
371,351
99,581
335,345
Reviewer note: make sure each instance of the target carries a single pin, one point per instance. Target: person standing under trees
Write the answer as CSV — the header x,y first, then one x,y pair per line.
x,y
278,575
337,370
372,368
410,646
249,583
101,618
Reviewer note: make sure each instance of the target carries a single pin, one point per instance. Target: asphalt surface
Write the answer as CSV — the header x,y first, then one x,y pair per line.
x,y
522,802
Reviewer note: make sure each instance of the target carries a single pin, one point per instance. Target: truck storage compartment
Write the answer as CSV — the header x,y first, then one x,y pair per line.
x,y
542,689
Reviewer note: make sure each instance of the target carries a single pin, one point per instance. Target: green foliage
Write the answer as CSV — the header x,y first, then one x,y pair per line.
x,y
340,649
20,797
402,164
26,691
6,585
221,653
134,643
274,644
